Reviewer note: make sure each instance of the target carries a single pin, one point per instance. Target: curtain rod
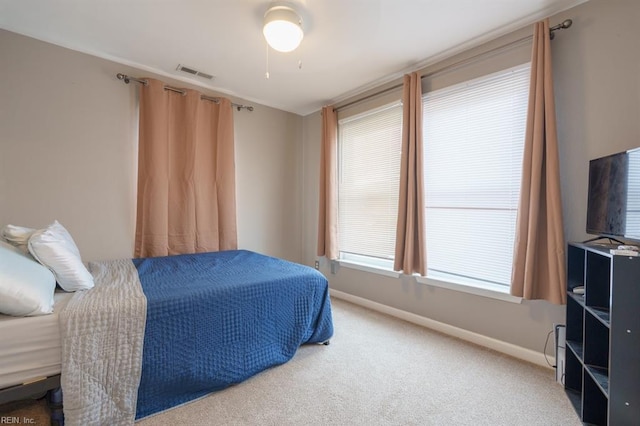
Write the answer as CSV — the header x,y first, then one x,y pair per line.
x,y
144,82
564,25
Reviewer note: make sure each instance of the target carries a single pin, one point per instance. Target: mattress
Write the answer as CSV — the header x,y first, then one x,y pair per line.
x,y
30,346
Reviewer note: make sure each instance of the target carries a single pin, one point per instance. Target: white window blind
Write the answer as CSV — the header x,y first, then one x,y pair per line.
x,y
633,196
473,147
369,173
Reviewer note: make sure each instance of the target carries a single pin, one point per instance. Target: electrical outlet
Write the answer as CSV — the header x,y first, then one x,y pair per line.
x,y
317,264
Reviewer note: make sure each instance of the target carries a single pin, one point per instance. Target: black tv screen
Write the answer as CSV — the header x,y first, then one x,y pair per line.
x,y
613,206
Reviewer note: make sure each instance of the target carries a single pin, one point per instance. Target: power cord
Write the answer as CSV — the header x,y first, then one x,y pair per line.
x,y
545,350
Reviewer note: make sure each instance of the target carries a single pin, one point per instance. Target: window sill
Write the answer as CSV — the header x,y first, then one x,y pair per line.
x,y
484,290
366,268
478,289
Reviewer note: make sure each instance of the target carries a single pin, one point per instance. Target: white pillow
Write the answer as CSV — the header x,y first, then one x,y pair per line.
x,y
18,236
26,287
55,249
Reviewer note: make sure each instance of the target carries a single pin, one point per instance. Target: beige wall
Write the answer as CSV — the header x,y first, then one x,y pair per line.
x,y
597,84
597,76
68,151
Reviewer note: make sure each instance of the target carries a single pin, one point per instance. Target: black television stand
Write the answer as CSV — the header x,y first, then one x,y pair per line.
x,y
602,372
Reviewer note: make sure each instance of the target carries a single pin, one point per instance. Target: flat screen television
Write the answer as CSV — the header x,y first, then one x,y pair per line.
x,y
613,206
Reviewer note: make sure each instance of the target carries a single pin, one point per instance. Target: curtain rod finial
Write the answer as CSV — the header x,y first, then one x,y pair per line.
x,y
563,26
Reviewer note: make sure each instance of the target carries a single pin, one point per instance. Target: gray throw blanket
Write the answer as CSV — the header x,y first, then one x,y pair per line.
x,y
102,332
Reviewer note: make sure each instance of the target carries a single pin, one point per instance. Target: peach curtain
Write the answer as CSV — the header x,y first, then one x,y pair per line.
x,y
186,174
327,220
410,255
539,256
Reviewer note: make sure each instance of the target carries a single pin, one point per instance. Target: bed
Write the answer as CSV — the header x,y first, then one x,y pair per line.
x,y
158,332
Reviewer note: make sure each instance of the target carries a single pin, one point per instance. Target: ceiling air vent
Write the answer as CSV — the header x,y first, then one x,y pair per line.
x,y
197,73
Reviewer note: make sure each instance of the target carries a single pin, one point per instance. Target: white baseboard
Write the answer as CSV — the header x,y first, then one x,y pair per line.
x,y
510,349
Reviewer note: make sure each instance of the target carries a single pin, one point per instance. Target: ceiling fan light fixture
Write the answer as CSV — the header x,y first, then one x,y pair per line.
x,y
282,28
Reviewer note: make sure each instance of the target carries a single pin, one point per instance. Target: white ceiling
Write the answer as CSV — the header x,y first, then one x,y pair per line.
x,y
349,45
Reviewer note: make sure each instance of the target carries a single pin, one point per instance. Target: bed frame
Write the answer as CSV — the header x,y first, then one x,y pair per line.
x,y
49,386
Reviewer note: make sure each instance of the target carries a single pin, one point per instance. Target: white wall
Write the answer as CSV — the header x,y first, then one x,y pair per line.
x,y
597,79
68,151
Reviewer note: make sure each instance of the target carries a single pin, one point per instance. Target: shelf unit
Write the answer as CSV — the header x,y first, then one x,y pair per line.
x,y
602,370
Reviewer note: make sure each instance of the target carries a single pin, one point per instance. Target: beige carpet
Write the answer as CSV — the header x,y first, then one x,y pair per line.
x,y
382,371
29,412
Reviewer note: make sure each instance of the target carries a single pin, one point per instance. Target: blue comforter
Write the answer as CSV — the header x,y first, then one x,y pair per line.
x,y
215,319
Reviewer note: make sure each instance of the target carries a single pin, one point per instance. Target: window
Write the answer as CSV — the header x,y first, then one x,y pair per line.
x,y
369,173
473,136
473,145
